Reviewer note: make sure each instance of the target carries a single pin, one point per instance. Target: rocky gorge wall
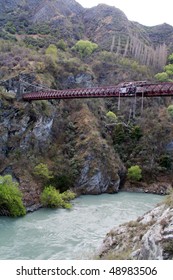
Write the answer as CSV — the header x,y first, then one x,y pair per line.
x,y
67,136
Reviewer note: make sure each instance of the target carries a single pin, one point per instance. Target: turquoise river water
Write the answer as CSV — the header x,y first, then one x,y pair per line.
x,y
70,234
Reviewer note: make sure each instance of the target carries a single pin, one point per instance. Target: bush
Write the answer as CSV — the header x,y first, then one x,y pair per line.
x,y
62,45
136,132
111,116
134,173
162,77
165,161
68,195
170,110
85,48
53,199
41,170
10,198
52,52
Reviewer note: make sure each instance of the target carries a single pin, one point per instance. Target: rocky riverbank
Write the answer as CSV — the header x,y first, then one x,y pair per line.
x,y
161,188
150,237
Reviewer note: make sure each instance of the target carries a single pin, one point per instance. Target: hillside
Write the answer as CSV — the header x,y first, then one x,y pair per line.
x,y
77,135
105,25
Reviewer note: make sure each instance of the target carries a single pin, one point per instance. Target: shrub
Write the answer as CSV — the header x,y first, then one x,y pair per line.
x,y
68,195
162,77
119,134
85,48
41,170
10,197
52,52
165,161
136,132
62,45
53,199
111,116
170,110
134,173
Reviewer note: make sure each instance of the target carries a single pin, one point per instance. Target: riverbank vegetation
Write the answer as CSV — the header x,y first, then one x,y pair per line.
x,y
10,198
52,198
134,173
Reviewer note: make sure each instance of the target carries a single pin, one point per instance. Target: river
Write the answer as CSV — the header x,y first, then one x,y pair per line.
x,y
70,234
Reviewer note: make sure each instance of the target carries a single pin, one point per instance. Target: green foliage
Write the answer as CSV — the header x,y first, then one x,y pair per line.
x,y
170,58
165,161
130,133
134,173
53,199
168,74
68,195
36,43
10,27
111,116
43,29
119,134
62,45
162,77
136,132
41,170
170,110
169,69
85,48
52,52
10,197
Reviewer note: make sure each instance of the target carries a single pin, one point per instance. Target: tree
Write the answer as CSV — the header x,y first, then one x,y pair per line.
x,y
134,173
10,198
169,69
85,48
167,75
162,77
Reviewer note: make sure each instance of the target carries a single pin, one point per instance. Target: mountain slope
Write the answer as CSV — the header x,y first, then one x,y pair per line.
x,y
105,25
36,8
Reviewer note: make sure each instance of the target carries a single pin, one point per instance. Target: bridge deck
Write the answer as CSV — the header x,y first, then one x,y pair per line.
x,y
147,90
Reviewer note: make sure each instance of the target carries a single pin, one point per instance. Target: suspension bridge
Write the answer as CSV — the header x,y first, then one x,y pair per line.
x,y
129,89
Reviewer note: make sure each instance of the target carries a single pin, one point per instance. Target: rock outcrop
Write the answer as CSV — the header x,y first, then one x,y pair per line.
x,y
101,169
150,237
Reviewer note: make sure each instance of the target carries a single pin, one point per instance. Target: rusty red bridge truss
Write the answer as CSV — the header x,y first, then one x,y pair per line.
x,y
122,90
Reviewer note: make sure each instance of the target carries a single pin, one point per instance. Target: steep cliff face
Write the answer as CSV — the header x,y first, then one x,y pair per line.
x,y
100,167
67,136
148,238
